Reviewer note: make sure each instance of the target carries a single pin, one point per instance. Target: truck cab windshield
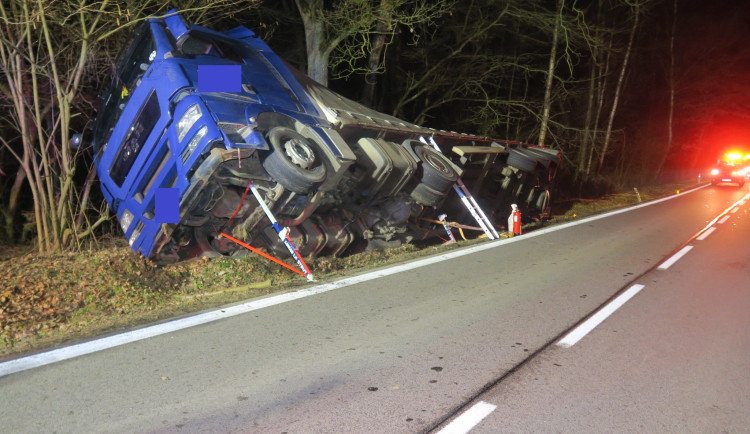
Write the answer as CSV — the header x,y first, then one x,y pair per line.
x,y
129,70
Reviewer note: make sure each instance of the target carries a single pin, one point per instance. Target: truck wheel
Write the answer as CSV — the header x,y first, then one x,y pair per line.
x,y
293,162
518,187
424,195
507,183
542,204
437,171
520,161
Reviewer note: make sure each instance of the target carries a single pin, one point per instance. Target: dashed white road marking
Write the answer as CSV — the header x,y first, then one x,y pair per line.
x,y
470,419
582,330
676,257
724,219
705,234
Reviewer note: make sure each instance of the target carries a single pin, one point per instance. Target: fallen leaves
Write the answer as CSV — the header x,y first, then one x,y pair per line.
x,y
47,299
91,292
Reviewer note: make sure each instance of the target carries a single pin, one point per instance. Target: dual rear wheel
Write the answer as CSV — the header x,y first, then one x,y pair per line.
x,y
294,162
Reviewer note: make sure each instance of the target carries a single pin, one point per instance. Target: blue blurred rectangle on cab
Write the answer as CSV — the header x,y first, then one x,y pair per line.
x,y
167,205
219,78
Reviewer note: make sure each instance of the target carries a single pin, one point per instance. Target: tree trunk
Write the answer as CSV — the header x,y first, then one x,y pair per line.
x,y
385,17
602,86
550,76
12,211
618,88
583,152
85,197
317,56
670,121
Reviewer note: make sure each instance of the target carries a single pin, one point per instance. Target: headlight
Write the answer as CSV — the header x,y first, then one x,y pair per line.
x,y
125,220
188,119
136,233
193,143
714,171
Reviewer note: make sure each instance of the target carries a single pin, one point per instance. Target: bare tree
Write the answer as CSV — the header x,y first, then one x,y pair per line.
x,y
383,29
618,88
601,48
453,67
352,30
492,60
547,103
47,50
672,88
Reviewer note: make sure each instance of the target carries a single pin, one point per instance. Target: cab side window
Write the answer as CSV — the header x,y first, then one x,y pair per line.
x,y
200,44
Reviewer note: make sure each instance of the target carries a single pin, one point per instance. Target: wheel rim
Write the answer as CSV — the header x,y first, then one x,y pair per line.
x,y
299,153
542,203
436,163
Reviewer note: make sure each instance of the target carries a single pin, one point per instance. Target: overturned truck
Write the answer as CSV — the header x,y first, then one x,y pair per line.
x,y
207,114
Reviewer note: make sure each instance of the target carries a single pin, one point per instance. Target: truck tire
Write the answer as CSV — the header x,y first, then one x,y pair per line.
x,y
543,203
293,162
507,183
520,161
437,170
519,186
425,195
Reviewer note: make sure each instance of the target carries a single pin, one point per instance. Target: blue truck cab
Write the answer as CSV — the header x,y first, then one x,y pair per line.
x,y
156,127
205,113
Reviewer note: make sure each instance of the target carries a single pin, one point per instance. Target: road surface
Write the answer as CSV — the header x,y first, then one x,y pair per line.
x,y
413,350
675,358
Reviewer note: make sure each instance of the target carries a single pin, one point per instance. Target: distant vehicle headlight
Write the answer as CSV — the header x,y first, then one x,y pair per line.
x,y
188,119
714,171
125,220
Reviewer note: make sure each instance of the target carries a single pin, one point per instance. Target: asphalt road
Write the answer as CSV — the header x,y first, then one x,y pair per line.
x,y
411,350
675,358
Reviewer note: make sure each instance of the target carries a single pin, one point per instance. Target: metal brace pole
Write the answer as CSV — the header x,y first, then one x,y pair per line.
x,y
468,199
283,233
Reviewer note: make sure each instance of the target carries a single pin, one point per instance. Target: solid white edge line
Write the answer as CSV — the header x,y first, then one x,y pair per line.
x,y
76,350
676,257
470,418
582,330
705,235
724,219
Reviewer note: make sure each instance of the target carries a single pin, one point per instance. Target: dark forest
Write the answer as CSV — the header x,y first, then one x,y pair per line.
x,y
632,92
